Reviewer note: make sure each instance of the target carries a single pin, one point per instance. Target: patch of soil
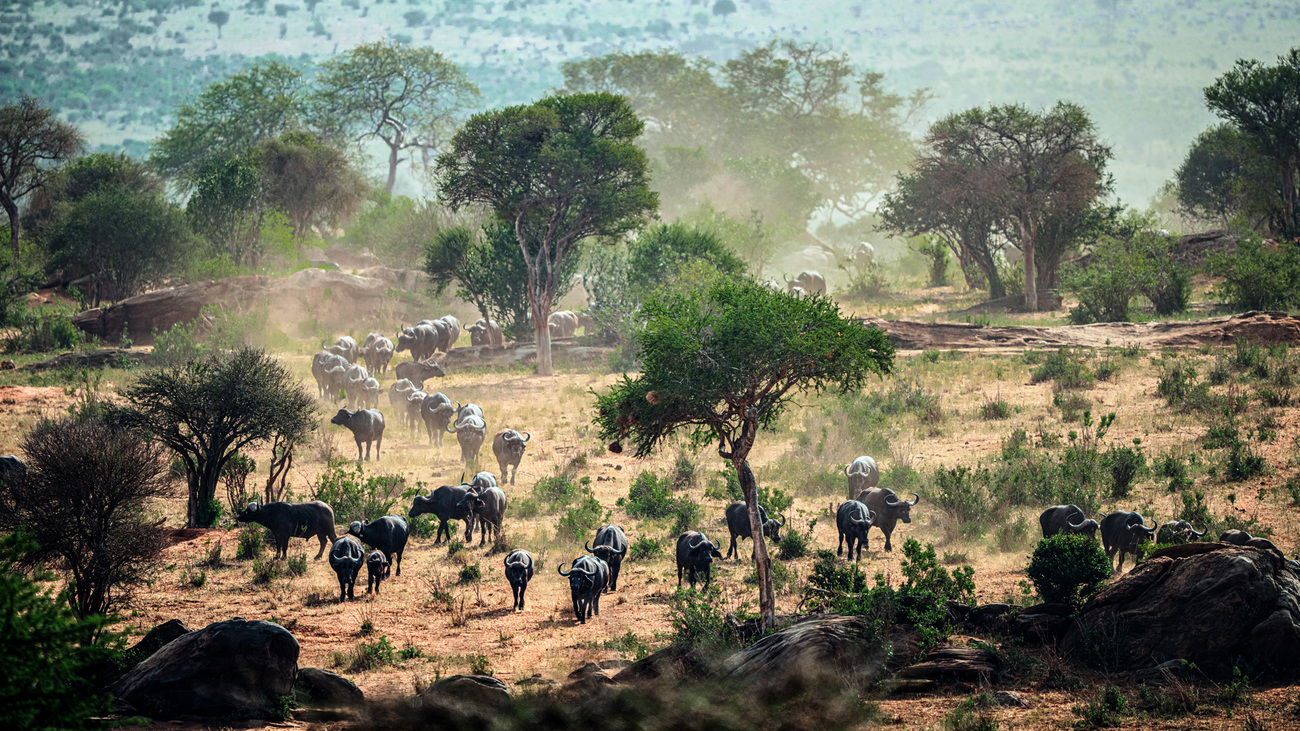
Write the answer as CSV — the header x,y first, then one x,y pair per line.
x,y
13,395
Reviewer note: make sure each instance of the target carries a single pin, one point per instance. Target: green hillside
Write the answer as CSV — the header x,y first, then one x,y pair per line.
x,y
118,67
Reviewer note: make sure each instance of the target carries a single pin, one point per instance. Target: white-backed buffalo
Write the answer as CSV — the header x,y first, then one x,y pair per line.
x,y
486,332
376,570
888,509
366,425
346,347
436,412
864,255
519,571
508,447
346,558
611,546
418,371
292,520
853,520
451,332
471,432
354,384
737,515
808,282
377,351
487,508
1178,531
370,390
397,394
321,364
695,554
1067,519
388,534
13,468
587,579
444,504
863,474
562,324
1124,531
414,410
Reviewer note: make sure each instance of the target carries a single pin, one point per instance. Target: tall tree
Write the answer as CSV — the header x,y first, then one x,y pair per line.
x,y
724,361
209,409
1224,176
1263,102
32,140
229,207
559,171
1036,164
406,96
228,119
311,182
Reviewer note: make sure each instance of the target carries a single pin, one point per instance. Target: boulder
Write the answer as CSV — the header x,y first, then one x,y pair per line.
x,y
349,260
145,314
1215,606
669,664
231,669
948,663
480,689
155,640
815,651
318,688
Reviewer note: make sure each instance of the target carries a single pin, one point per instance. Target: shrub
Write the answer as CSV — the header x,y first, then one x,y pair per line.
x,y
649,497
296,565
1243,463
1105,293
1067,569
960,493
698,622
1011,536
49,655
580,521
252,541
265,570
353,495
1126,465
480,665
1177,382
1105,711
995,409
557,492
1258,276
792,545
371,655
645,548
469,574
1064,367
1173,467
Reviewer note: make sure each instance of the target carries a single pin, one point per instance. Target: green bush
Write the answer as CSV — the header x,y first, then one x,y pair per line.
x,y
557,492
41,332
649,497
371,655
645,548
1258,276
960,493
296,565
1105,711
469,574
1105,294
1067,569
265,570
1011,536
1126,465
353,495
792,545
1173,467
698,622
579,522
1065,367
252,541
49,656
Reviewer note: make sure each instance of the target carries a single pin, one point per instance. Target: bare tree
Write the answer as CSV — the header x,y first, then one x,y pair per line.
x,y
86,500
32,140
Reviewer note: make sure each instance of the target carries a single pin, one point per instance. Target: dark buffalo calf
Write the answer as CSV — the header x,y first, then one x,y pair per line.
x,y
376,570
388,534
519,571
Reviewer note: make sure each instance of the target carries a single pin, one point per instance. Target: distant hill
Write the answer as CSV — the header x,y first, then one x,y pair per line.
x,y
118,67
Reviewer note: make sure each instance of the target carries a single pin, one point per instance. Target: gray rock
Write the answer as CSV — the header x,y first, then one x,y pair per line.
x,y
817,650
318,688
1011,699
231,669
483,689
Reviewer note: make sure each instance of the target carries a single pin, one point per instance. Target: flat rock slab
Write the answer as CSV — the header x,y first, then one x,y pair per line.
x,y
948,662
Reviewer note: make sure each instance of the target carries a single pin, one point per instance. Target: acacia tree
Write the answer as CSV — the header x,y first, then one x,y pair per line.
x,y
559,171
405,96
210,409
1037,164
1263,102
724,361
32,140
1224,176
85,501
310,182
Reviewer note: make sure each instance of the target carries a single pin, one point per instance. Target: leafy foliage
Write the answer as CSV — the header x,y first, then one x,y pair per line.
x,y
32,140
353,495
1068,569
1258,275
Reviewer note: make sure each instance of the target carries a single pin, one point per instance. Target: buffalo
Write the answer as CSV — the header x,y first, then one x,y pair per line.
x,y
388,534
611,546
1177,532
695,554
366,425
418,372
888,509
346,557
436,411
854,521
397,394
1067,519
1124,531
377,351
321,364
508,447
738,525
487,507
486,332
519,571
370,391
415,410
1242,538
444,503
347,348
470,431
376,570
562,324
808,282
587,579
292,520
863,474
421,340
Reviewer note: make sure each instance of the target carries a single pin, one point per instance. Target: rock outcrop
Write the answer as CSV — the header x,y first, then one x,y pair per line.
x,y
316,688
813,651
1212,604
231,669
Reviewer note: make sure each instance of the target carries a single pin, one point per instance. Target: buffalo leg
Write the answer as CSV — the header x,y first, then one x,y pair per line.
x,y
399,560
358,450
731,549
840,550
379,440
578,611
679,577
321,552
595,604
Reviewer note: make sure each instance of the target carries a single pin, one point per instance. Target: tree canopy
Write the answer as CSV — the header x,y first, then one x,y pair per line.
x,y
722,362
559,171
1224,177
211,408
32,141
1263,103
406,96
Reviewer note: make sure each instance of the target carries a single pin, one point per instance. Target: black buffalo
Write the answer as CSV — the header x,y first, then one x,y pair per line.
x,y
587,579
1124,531
346,557
888,510
487,508
292,520
444,504
376,570
519,571
388,534
611,546
695,554
738,525
854,521
1067,519
1178,531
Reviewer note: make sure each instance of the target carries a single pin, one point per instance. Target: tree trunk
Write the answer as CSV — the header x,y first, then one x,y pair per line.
x,y
762,563
1031,280
11,208
392,168
203,490
1290,204
192,506
542,332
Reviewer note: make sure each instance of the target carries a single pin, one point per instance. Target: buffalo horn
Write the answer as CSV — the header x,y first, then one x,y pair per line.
x,y
527,436
782,517
560,570
699,541
915,499
587,546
